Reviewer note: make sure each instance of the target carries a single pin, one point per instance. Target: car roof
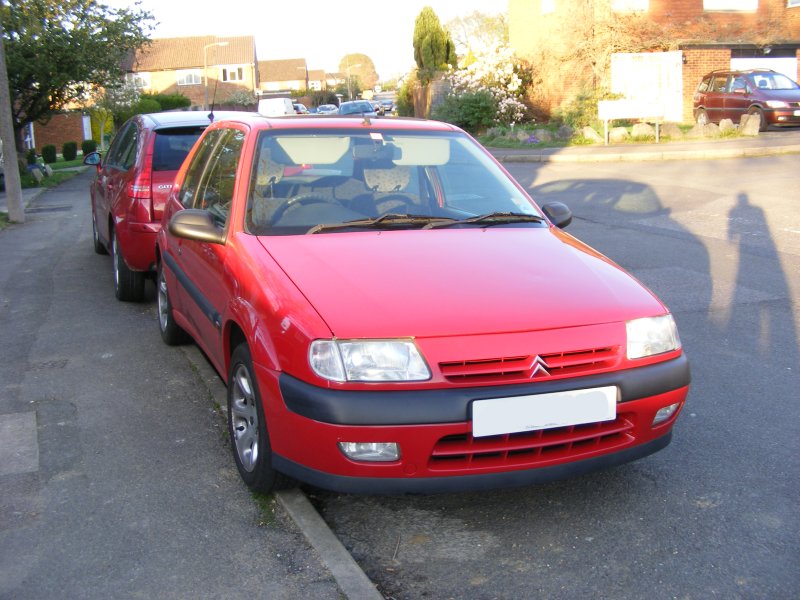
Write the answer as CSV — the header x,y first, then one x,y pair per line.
x,y
185,118
336,121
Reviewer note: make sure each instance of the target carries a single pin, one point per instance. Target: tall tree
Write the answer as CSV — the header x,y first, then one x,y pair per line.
x,y
361,67
478,31
434,49
59,50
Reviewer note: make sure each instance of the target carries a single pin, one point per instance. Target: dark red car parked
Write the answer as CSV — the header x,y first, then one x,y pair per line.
x,y
131,187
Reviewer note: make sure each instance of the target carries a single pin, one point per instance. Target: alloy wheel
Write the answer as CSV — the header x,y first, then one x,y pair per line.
x,y
244,418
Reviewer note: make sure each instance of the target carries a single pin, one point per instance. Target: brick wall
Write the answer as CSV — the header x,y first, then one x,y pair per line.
x,y
64,127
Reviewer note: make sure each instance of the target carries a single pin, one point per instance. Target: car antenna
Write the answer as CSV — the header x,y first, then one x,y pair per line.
x,y
213,101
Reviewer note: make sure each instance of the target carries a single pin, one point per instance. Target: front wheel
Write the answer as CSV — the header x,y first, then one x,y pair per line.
x,y
762,126
99,248
248,428
128,284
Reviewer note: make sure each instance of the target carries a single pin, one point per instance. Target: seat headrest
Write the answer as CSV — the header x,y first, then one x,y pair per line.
x,y
387,180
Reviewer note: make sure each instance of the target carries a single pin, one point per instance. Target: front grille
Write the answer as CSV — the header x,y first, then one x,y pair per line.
x,y
517,368
531,448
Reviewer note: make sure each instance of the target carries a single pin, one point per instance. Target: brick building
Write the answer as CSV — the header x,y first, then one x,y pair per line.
x,y
683,39
67,126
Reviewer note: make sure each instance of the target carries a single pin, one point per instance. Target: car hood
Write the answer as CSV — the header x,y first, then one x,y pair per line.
x,y
785,95
457,282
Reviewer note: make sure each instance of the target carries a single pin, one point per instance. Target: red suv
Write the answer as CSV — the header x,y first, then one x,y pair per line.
x,y
731,94
131,187
392,312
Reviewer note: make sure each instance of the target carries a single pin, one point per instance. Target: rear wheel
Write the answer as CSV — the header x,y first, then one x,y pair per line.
x,y
248,428
128,284
702,117
172,333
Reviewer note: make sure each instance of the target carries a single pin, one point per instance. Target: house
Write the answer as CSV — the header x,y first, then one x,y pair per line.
x,y
649,48
285,75
202,68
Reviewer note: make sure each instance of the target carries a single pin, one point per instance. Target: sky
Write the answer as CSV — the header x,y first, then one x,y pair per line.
x,y
321,31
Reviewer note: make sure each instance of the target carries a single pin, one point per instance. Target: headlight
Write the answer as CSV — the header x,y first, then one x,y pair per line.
x,y
368,360
777,104
654,335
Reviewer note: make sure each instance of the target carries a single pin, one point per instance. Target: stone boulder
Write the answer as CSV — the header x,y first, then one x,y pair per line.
x,y
671,131
727,126
618,134
750,124
544,135
565,132
590,134
643,130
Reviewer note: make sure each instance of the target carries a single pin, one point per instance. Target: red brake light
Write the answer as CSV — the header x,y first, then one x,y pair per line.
x,y
140,190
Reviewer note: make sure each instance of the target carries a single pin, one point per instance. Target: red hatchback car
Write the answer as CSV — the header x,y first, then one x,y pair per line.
x,y
393,313
131,187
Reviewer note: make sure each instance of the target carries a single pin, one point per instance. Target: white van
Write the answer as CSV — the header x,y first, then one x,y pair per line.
x,y
275,107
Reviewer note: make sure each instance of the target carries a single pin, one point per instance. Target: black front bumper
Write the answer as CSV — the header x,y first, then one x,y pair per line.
x,y
452,405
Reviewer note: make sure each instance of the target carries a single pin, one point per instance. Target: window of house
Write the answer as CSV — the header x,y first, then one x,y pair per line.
x,y
791,3
232,74
138,80
630,5
737,5
188,77
548,6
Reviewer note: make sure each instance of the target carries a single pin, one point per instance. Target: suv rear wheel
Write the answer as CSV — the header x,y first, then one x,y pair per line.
x,y
702,117
128,285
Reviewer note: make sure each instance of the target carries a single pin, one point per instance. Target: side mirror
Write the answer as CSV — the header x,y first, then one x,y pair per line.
x,y
197,225
558,213
93,158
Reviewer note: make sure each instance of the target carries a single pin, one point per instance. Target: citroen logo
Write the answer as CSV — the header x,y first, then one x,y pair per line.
x,y
539,367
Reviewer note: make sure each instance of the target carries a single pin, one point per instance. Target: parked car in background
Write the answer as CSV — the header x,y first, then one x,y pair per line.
x,y
357,107
276,107
130,188
774,97
300,109
327,109
392,312
388,106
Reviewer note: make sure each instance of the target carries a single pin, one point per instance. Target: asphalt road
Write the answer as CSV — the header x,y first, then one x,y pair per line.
x,y
714,515
116,477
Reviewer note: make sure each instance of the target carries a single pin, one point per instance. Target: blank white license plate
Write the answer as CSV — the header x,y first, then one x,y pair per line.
x,y
543,411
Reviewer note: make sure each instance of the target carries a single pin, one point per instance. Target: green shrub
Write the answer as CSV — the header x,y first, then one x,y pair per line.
x,y
88,146
168,101
49,153
473,111
581,110
70,150
30,156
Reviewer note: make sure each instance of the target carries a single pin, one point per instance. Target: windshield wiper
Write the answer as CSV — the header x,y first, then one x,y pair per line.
x,y
389,220
495,218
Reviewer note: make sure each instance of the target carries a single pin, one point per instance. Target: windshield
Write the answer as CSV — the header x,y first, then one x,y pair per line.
x,y
314,181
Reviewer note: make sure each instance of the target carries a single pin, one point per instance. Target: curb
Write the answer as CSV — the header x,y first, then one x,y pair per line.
x,y
353,583
643,156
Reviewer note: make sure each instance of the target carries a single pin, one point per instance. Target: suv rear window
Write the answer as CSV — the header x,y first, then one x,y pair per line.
x,y
172,146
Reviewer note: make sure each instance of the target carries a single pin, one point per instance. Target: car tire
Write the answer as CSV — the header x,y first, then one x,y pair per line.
x,y
702,117
754,110
248,427
128,284
172,333
99,248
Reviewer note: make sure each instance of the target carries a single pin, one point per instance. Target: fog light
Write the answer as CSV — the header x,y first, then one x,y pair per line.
x,y
665,413
370,451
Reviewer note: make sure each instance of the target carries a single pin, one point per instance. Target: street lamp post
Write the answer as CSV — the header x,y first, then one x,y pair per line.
x,y
205,69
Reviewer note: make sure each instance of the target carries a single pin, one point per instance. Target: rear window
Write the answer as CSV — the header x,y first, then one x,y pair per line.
x,y
172,146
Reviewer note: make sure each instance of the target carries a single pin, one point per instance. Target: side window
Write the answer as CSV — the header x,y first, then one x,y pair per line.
x,y
198,166
121,146
720,83
739,83
216,182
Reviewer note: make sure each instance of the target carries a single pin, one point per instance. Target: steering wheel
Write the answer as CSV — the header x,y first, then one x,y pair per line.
x,y
300,200
391,202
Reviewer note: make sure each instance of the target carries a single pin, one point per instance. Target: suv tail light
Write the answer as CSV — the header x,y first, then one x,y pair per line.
x,y
140,190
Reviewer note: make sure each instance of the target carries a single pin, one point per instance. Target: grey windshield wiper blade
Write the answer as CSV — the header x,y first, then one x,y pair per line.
x,y
387,220
495,218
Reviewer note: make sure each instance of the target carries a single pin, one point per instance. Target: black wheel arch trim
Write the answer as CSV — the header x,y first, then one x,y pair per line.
x,y
452,405
194,292
465,483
